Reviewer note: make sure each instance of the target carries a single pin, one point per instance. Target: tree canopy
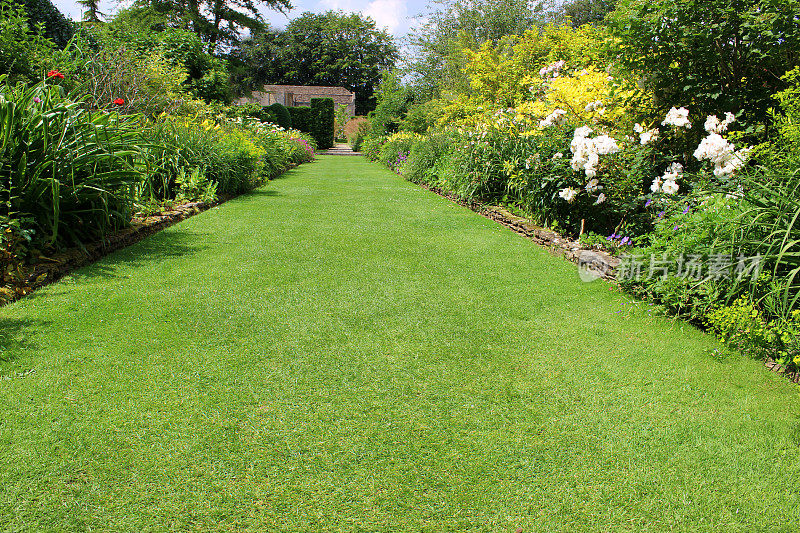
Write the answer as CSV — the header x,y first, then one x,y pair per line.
x,y
450,26
715,55
217,21
331,48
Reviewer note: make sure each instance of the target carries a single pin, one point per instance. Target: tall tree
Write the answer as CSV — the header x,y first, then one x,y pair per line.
x,y
710,55
436,60
218,22
582,12
91,11
332,48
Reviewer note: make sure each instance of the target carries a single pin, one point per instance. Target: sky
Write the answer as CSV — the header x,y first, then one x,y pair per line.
x,y
396,16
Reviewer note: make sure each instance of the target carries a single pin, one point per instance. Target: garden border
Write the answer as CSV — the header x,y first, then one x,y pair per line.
x,y
51,269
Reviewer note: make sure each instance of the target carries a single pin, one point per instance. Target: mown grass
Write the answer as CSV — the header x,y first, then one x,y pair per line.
x,y
343,351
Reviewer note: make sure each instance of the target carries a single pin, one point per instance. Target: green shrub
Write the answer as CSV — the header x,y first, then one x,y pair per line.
x,y
422,117
282,115
702,226
67,174
324,122
724,56
302,118
392,103
356,137
394,152
23,52
427,157
371,146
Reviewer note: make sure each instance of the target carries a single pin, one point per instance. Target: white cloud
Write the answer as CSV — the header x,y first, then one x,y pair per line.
x,y
389,14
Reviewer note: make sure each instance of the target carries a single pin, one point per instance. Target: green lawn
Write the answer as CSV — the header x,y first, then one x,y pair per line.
x,y
344,351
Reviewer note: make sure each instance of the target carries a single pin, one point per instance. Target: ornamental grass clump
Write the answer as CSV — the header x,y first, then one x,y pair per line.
x,y
66,174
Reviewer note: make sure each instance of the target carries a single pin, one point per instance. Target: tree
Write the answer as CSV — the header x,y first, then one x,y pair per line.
x,y
91,12
332,48
582,12
436,62
218,22
56,26
711,55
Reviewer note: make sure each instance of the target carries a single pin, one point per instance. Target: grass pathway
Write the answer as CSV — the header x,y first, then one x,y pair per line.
x,y
343,351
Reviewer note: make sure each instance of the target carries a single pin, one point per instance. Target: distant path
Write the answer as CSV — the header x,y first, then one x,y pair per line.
x,y
340,149
343,351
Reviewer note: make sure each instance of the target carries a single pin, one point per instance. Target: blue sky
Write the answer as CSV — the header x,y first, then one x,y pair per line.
x,y
393,15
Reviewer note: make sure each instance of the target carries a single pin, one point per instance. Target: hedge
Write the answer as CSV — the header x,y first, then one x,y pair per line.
x,y
56,26
324,122
302,118
282,114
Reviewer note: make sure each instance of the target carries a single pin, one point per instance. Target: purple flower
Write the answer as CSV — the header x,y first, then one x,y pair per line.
x,y
661,214
624,241
648,202
37,99
675,228
686,210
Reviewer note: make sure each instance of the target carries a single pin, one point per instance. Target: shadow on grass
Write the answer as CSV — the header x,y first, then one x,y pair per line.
x,y
15,337
287,174
262,192
169,243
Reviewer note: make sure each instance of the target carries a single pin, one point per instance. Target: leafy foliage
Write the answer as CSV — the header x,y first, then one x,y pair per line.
x,y
23,51
56,26
324,122
282,115
450,26
582,12
68,174
302,118
216,21
329,49
712,55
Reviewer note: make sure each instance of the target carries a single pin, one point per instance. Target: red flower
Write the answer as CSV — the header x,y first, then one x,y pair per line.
x,y
55,74
119,101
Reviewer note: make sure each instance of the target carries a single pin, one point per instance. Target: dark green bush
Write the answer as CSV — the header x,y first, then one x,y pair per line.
x,y
56,26
302,118
282,115
324,122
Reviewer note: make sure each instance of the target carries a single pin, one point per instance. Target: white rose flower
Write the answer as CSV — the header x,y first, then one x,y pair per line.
x,y
670,187
600,199
656,186
568,194
648,136
677,117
